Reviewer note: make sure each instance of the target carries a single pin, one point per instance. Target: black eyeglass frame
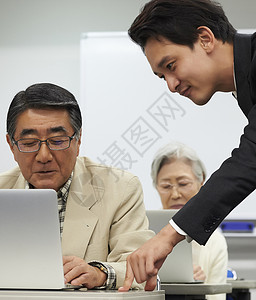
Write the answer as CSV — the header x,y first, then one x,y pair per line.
x,y
44,141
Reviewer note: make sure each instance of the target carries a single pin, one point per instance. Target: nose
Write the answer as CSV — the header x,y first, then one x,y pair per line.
x,y
172,83
44,154
175,194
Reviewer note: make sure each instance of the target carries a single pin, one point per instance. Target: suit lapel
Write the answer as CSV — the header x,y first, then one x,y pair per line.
x,y
20,183
80,221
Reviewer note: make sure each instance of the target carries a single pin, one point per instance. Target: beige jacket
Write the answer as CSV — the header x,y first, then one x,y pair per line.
x,y
105,215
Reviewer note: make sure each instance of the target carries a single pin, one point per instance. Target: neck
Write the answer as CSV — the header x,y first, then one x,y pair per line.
x,y
225,65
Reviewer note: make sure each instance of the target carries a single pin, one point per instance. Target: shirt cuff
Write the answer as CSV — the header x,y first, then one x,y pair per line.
x,y
180,231
111,275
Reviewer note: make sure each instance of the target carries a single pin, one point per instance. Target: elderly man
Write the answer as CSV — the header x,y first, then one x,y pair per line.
x,y
44,134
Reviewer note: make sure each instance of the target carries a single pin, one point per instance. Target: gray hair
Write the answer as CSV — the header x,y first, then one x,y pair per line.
x,y
41,96
177,150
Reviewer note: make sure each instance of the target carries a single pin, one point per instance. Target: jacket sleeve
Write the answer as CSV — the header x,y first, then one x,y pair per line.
x,y
225,189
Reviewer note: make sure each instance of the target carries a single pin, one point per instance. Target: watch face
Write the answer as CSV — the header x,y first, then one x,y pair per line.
x,y
103,269
99,266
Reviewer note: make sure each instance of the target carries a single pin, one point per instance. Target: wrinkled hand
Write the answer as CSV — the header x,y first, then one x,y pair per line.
x,y
78,272
198,273
144,263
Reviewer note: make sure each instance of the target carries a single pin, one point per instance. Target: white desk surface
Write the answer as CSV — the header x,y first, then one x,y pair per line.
x,y
195,288
242,284
74,295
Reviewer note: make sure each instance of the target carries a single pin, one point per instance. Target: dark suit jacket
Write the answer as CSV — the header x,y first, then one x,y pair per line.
x,y
236,178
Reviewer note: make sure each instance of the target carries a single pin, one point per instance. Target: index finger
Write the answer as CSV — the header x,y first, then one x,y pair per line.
x,y
129,277
151,283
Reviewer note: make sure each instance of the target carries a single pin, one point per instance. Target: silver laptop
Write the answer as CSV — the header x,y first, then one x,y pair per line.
x,y
30,255
178,266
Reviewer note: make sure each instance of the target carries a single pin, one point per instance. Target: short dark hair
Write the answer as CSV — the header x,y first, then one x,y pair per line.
x,y
41,96
178,20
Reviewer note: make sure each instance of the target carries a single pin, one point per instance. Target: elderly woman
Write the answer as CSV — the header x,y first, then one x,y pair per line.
x,y
178,174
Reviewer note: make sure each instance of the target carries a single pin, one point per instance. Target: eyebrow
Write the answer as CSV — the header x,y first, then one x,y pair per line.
x,y
163,61
28,131
58,129
178,178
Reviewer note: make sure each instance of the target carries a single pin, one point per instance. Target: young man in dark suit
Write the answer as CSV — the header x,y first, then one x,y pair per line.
x,y
193,47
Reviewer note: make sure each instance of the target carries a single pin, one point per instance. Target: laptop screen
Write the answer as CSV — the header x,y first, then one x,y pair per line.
x,y
30,240
178,266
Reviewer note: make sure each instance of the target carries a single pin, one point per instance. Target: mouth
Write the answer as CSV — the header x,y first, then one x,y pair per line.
x,y
45,172
185,92
177,206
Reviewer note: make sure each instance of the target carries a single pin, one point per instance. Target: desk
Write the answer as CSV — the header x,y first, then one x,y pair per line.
x,y
76,295
241,289
190,291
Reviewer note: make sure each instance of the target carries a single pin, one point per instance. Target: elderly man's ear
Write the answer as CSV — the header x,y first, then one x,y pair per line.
x,y
79,142
9,141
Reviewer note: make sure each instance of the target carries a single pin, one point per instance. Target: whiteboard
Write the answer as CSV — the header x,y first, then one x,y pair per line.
x,y
128,114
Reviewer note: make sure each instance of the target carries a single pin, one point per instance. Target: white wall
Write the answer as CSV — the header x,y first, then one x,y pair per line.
x,y
40,42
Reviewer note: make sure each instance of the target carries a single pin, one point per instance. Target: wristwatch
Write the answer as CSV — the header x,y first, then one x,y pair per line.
x,y
99,266
102,268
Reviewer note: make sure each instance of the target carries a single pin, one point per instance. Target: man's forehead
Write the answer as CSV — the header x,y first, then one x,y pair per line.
x,y
37,114
156,51
35,121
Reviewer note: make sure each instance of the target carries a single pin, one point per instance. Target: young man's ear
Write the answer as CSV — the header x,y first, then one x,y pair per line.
x,y
206,38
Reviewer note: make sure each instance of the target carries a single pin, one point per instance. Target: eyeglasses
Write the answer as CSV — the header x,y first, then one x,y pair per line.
x,y
166,187
54,143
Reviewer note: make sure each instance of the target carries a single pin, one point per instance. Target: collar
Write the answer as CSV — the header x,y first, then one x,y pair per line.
x,y
234,76
63,191
242,61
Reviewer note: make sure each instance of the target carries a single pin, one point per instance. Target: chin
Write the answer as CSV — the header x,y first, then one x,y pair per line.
x,y
44,186
47,188
201,100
